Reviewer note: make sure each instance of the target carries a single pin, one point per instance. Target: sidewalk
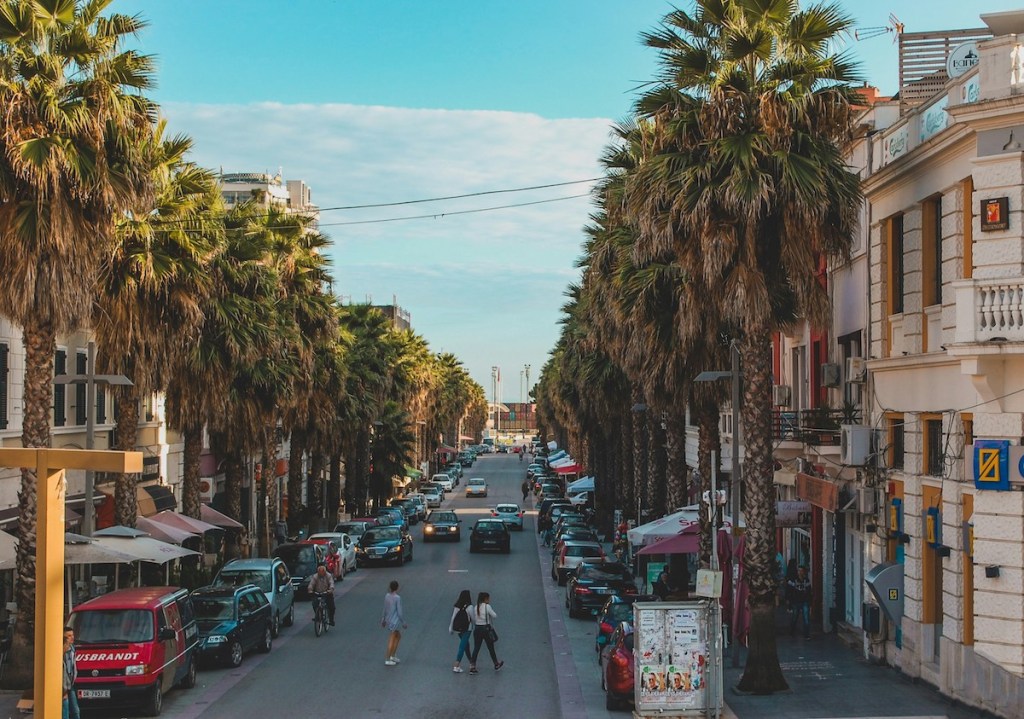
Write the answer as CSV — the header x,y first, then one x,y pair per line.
x,y
828,680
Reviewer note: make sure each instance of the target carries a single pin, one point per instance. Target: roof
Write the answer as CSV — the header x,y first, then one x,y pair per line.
x,y
142,597
221,590
257,563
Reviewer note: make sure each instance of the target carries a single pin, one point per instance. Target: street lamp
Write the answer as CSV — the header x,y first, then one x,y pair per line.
x,y
734,488
89,379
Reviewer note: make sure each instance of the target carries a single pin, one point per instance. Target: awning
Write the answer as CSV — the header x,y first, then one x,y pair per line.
x,y
163,532
687,543
151,498
413,473
184,522
585,484
146,549
211,515
569,469
686,519
9,516
445,449
82,550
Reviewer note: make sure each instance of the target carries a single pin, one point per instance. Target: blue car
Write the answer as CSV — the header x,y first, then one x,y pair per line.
x,y
231,621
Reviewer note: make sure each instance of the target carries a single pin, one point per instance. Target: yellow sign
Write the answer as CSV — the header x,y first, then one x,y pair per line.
x,y
894,595
988,465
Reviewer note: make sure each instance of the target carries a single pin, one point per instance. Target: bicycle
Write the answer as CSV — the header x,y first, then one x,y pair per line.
x,y
320,623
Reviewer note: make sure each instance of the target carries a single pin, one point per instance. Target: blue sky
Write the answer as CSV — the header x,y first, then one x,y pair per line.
x,y
371,101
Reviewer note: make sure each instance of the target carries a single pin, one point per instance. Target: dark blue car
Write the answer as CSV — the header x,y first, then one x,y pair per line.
x,y
231,621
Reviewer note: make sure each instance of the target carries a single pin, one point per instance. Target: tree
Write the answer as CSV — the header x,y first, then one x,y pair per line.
x,y
70,163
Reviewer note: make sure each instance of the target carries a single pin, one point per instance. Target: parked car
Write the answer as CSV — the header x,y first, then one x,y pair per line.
x,y
571,554
617,608
572,534
532,470
397,515
490,534
445,480
133,645
476,487
301,560
433,495
510,514
454,470
385,545
409,507
442,525
272,577
544,509
591,583
617,667
346,548
466,459
551,489
232,620
421,504
354,528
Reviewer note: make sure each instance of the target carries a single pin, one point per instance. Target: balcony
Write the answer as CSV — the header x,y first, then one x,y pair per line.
x,y
989,310
817,427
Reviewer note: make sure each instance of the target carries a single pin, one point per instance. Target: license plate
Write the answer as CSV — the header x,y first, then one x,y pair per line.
x,y
378,551
94,694
603,591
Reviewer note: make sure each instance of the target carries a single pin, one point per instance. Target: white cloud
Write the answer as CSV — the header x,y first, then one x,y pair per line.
x,y
490,270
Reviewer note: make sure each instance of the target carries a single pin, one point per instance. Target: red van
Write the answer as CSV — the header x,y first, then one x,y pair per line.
x,y
133,645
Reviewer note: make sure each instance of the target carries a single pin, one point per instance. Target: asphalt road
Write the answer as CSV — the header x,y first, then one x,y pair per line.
x,y
550,668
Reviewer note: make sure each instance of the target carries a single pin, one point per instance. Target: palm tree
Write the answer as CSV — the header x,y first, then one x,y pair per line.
x,y
752,109
70,163
391,448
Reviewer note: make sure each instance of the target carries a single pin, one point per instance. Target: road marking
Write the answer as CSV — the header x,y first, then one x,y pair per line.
x,y
458,571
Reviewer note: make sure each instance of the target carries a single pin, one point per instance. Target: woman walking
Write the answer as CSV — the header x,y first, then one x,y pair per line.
x,y
483,615
393,621
461,624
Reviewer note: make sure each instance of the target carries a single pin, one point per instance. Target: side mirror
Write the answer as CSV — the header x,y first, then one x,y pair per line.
x,y
167,634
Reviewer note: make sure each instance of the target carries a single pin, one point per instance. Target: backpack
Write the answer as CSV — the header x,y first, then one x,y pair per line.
x,y
461,621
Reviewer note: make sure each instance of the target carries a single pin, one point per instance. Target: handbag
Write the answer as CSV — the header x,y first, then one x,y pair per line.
x,y
492,632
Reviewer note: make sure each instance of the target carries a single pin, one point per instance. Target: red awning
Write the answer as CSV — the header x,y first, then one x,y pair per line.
x,y
445,449
569,469
683,543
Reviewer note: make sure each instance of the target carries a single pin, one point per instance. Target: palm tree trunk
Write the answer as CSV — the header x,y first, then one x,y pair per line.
x,y
676,471
334,487
126,499
316,487
190,490
296,508
656,463
38,339
640,440
268,491
708,442
359,474
762,673
625,469
233,470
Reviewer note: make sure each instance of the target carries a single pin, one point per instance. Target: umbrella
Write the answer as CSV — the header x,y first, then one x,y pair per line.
x,y
211,515
90,552
119,530
146,549
686,542
8,551
184,522
163,532
586,484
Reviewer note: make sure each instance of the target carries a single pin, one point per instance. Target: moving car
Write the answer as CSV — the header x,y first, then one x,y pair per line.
x,y
133,645
617,667
346,548
476,487
591,583
433,496
510,514
571,554
272,577
442,525
301,561
384,545
616,609
490,534
445,480
231,621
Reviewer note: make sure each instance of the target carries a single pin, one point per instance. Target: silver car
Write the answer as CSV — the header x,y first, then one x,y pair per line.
x,y
272,577
571,554
510,514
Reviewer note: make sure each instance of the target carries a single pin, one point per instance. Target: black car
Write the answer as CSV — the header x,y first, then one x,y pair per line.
x,y
384,545
466,459
617,609
231,621
409,508
442,524
544,509
490,534
591,583
301,560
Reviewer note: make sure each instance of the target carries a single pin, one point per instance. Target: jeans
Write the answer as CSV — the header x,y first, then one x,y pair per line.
x,y
800,610
481,635
69,708
464,645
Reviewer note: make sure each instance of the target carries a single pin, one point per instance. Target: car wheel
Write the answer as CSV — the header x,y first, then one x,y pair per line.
x,y
268,640
235,657
154,701
289,618
189,680
275,624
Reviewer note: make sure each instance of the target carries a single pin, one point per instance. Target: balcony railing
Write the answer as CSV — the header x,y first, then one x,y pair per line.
x,y
989,310
811,426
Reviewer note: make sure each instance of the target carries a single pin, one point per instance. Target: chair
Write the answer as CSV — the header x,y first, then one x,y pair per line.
x,y
99,585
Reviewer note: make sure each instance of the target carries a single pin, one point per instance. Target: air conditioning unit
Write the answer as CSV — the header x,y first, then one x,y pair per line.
x,y
856,369
830,374
867,500
781,395
854,444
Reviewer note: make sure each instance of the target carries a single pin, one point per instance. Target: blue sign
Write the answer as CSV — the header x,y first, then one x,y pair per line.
x,y
991,464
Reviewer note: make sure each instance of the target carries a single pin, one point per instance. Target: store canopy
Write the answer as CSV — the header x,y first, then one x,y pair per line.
x,y
413,473
163,532
151,498
185,523
145,549
82,550
569,469
211,515
555,456
561,462
585,484
686,519
119,530
685,543
445,449
8,553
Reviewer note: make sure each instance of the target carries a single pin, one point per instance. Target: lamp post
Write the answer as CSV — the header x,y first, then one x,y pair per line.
x,y
734,485
89,379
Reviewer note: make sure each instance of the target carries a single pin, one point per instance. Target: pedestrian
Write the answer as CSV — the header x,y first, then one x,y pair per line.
x,y
462,625
69,708
799,591
526,489
393,620
281,531
483,616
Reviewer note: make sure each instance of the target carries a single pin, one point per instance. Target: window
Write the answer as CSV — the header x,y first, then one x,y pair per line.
x,y
4,353
101,403
967,420
81,367
931,251
60,367
896,445
850,346
934,452
895,237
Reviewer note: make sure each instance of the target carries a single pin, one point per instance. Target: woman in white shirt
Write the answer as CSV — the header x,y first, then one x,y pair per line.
x,y
483,615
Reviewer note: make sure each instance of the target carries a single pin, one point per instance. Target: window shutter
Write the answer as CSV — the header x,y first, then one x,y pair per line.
x,y
101,403
60,367
4,350
81,362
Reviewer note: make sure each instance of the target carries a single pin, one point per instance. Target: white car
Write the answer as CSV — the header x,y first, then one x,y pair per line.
x,y
346,547
510,514
433,497
476,487
444,480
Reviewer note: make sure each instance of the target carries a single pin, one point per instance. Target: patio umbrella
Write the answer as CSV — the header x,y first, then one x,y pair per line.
x,y
119,530
146,549
90,552
184,522
8,551
163,532
211,515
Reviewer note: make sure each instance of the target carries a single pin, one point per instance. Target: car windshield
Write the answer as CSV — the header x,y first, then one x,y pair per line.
x,y
238,577
213,608
490,528
113,626
382,534
627,641
582,551
442,517
612,570
507,508
621,612
476,481
301,561
352,528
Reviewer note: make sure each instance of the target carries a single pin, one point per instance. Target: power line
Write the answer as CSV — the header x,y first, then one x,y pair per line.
x,y
441,215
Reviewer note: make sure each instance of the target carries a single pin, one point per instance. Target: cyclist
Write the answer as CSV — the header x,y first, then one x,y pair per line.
x,y
322,584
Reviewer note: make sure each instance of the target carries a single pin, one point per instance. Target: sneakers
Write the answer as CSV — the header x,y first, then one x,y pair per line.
x,y
498,666
457,670
390,662
472,670
396,660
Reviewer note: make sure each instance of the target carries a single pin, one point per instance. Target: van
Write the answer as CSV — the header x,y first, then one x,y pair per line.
x,y
133,645
272,577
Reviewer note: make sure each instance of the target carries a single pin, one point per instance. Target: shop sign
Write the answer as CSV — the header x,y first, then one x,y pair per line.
x,y
934,119
970,90
792,514
822,493
894,145
995,214
961,58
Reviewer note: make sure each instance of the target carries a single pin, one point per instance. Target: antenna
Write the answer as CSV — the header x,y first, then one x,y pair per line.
x,y
895,27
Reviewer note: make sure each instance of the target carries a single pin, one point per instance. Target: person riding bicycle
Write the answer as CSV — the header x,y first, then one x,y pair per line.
x,y
322,585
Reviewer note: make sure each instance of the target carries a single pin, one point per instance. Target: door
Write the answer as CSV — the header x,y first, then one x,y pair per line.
x,y
854,576
247,619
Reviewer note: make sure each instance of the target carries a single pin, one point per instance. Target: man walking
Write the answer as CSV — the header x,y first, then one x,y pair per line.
x,y
70,704
799,591
393,620
526,489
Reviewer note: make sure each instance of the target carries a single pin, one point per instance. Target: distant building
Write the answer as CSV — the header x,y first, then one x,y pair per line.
x,y
400,318
267,190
